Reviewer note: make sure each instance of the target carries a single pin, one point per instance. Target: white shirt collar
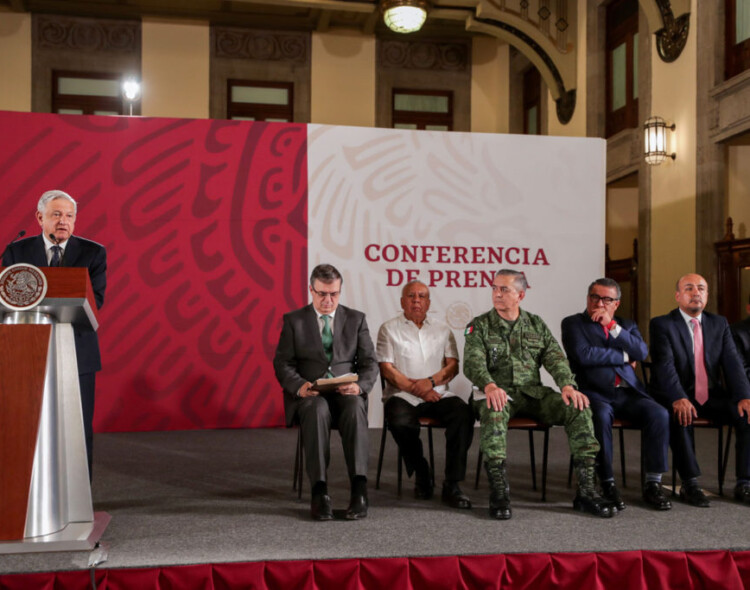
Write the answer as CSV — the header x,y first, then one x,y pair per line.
x,y
689,319
320,315
48,243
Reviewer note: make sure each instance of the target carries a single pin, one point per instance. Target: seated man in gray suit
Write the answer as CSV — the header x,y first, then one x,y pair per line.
x,y
325,339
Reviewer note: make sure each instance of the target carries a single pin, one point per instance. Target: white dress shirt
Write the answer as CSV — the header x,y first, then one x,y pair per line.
x,y
417,353
48,245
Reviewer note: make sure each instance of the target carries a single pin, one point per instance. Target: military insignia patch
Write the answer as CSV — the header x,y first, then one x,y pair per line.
x,y
469,329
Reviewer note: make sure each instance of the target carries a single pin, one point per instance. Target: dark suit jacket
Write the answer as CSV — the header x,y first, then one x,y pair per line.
x,y
596,359
673,371
82,253
741,333
300,357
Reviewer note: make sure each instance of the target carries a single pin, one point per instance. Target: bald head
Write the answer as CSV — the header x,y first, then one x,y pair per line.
x,y
415,301
692,294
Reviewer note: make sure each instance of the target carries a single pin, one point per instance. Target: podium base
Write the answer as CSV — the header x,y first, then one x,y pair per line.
x,y
77,536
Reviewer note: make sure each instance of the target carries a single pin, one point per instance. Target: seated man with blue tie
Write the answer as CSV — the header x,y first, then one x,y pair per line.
x,y
325,339
692,351
602,350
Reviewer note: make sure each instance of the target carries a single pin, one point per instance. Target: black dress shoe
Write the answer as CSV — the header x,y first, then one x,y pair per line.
x,y
653,495
612,495
320,507
742,493
694,496
357,507
454,497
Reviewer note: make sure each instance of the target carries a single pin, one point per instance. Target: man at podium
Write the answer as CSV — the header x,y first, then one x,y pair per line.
x,y
57,246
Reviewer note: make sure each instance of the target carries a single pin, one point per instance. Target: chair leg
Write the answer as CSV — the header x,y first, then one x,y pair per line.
x,y
570,471
380,455
400,461
723,472
721,458
545,456
532,458
479,469
622,456
432,456
298,465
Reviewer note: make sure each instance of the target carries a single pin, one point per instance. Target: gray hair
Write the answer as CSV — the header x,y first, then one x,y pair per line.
x,y
414,282
519,278
609,283
51,196
325,273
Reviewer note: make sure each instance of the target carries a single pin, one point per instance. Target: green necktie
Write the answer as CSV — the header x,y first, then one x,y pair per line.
x,y
327,337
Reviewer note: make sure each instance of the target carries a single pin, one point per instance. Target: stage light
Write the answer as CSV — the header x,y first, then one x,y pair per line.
x,y
131,92
655,140
404,16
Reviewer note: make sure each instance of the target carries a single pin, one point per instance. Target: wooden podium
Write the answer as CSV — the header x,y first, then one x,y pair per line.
x,y
45,496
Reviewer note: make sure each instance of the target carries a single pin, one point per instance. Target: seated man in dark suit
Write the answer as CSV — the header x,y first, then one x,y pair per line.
x,y
57,246
325,339
741,333
418,358
693,354
602,350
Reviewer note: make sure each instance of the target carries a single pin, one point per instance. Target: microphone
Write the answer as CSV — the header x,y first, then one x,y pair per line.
x,y
19,235
57,243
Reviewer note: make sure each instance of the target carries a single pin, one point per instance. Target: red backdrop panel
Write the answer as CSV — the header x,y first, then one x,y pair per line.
x,y
205,225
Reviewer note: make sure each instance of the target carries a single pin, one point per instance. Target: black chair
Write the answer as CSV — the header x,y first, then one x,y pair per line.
x,y
722,451
429,424
531,426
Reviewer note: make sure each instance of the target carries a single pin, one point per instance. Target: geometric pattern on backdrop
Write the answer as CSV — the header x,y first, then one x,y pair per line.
x,y
205,225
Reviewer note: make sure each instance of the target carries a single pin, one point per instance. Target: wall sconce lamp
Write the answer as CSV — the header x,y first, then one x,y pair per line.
x,y
404,16
655,139
131,92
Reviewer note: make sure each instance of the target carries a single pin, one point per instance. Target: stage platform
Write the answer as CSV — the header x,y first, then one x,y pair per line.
x,y
219,497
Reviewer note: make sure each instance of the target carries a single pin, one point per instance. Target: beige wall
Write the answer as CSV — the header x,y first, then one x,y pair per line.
x,y
175,69
674,95
622,221
15,61
738,188
343,79
577,125
490,77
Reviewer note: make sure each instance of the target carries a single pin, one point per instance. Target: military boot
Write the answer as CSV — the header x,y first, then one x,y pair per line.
x,y
587,498
499,490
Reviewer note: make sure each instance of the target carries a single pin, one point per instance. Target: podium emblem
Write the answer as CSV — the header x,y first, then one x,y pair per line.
x,y
22,286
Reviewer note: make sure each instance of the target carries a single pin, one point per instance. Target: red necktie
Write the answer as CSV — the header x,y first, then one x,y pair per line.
x,y
618,380
701,378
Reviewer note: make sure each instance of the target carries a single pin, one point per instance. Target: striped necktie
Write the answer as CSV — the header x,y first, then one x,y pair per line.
x,y
56,256
701,377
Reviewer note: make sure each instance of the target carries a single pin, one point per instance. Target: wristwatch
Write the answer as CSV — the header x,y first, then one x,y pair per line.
x,y
432,380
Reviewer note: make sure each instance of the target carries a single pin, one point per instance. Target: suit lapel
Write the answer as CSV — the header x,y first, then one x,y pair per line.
x,y
313,330
72,251
39,253
685,337
595,333
710,337
338,332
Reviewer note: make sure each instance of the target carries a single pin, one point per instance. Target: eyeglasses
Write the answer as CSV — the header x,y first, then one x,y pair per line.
x,y
324,294
605,300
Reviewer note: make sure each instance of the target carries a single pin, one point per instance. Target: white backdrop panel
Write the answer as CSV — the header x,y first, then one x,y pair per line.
x,y
385,205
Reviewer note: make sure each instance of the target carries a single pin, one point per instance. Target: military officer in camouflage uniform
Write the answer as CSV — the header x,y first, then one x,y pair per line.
x,y
505,348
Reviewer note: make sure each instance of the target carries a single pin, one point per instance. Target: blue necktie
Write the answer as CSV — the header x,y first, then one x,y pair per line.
x,y
56,256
